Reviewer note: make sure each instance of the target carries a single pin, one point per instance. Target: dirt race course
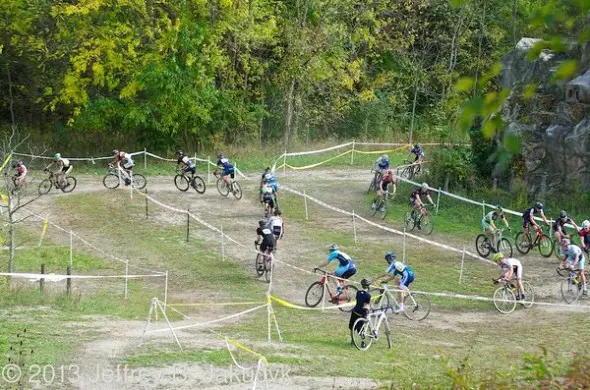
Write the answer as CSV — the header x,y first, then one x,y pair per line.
x,y
449,330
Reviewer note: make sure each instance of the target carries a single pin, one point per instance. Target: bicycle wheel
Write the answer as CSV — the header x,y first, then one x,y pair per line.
x,y
362,334
482,245
411,172
388,333
380,300
111,181
521,243
505,247
259,265
199,184
378,206
349,294
504,300
545,246
314,294
222,187
570,292
181,182
562,271
406,172
139,181
529,294
409,221
373,185
426,228
557,251
236,190
416,306
70,184
45,187
268,268
383,210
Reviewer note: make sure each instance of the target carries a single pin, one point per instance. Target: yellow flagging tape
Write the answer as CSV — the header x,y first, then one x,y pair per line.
x,y
3,196
45,225
216,304
320,163
6,161
246,349
290,305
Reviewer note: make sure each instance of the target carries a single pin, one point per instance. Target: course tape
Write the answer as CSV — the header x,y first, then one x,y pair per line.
x,y
316,151
57,278
214,304
319,163
290,305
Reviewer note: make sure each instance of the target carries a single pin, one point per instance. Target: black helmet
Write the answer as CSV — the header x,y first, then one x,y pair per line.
x,y
180,152
562,214
365,283
390,257
277,212
262,223
115,151
539,206
219,155
417,146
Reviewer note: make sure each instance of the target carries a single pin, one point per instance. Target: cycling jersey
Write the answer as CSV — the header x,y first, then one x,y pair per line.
x,y
515,265
385,181
406,273
492,216
586,234
382,164
527,214
418,191
345,263
268,239
126,160
228,168
275,223
418,152
362,298
571,252
65,163
560,223
21,171
188,163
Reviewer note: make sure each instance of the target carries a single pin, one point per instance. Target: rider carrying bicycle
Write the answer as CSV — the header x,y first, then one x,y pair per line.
x,y
21,174
528,217
346,267
487,223
575,259
277,226
417,199
123,161
406,274
188,165
509,268
363,305
228,168
264,238
63,167
387,179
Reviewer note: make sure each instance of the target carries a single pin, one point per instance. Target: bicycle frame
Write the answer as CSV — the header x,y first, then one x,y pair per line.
x,y
377,318
324,282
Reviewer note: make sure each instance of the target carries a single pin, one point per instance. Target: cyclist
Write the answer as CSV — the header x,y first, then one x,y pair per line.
x,y
264,238
584,233
575,258
228,168
406,274
528,217
363,305
382,163
20,176
419,156
268,197
487,223
277,226
63,167
188,165
417,200
559,225
268,177
123,161
387,179
508,268
346,266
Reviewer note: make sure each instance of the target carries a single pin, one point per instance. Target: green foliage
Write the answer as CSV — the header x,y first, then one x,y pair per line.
x,y
454,162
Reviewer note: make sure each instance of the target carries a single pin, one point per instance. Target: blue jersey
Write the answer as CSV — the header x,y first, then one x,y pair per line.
x,y
344,262
382,164
406,273
224,163
418,152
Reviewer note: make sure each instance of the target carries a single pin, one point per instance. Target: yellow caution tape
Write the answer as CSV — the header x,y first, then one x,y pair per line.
x,y
290,305
246,349
45,225
6,161
320,163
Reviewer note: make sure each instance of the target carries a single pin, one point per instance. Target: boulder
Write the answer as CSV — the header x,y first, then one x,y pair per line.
x,y
578,90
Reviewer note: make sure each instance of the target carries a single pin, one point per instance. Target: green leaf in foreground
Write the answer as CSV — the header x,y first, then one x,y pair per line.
x,y
566,70
464,84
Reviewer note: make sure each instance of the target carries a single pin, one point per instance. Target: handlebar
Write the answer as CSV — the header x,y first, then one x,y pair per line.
x,y
316,270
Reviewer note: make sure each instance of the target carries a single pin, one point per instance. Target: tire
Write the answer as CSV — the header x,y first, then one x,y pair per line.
x,y
199,184
378,206
373,185
570,292
70,184
362,334
409,222
416,306
521,243
222,187
268,268
482,245
111,181
314,294
181,182
504,300
529,295
139,181
237,190
350,292
505,247
556,252
388,335
406,172
259,265
381,302
45,187
427,229
384,211
545,246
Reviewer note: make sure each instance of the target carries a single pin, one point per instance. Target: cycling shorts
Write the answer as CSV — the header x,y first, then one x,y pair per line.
x,y
347,274
192,170
229,171
128,164
516,270
525,221
277,231
270,202
266,246
67,169
580,262
407,279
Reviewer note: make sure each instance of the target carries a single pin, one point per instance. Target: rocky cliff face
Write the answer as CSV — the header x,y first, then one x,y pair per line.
x,y
555,122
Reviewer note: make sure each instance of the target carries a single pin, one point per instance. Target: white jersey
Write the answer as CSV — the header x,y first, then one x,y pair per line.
x,y
510,263
275,221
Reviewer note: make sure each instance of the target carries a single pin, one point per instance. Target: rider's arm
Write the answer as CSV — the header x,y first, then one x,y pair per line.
x,y
532,219
505,222
430,199
545,218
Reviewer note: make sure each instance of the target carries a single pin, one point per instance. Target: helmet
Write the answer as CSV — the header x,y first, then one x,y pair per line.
x,y
115,151
565,242
262,223
562,214
586,224
57,156
333,248
180,152
424,186
539,206
365,283
385,157
417,146
498,256
219,155
499,209
390,257
277,212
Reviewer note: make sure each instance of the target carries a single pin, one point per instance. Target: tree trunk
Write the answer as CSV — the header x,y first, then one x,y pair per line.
x,y
289,114
481,34
413,111
446,185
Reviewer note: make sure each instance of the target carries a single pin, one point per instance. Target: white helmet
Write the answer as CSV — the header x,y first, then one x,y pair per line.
x,y
424,186
586,224
385,157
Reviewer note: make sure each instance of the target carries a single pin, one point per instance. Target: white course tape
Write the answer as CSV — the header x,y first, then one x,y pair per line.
x,y
317,151
57,278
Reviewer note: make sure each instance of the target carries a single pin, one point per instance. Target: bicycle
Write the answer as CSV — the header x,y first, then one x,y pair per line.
x,y
542,241
414,219
224,187
68,183
315,293
484,245
416,305
183,182
112,179
268,211
264,264
410,170
365,330
505,297
572,288
375,181
381,204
